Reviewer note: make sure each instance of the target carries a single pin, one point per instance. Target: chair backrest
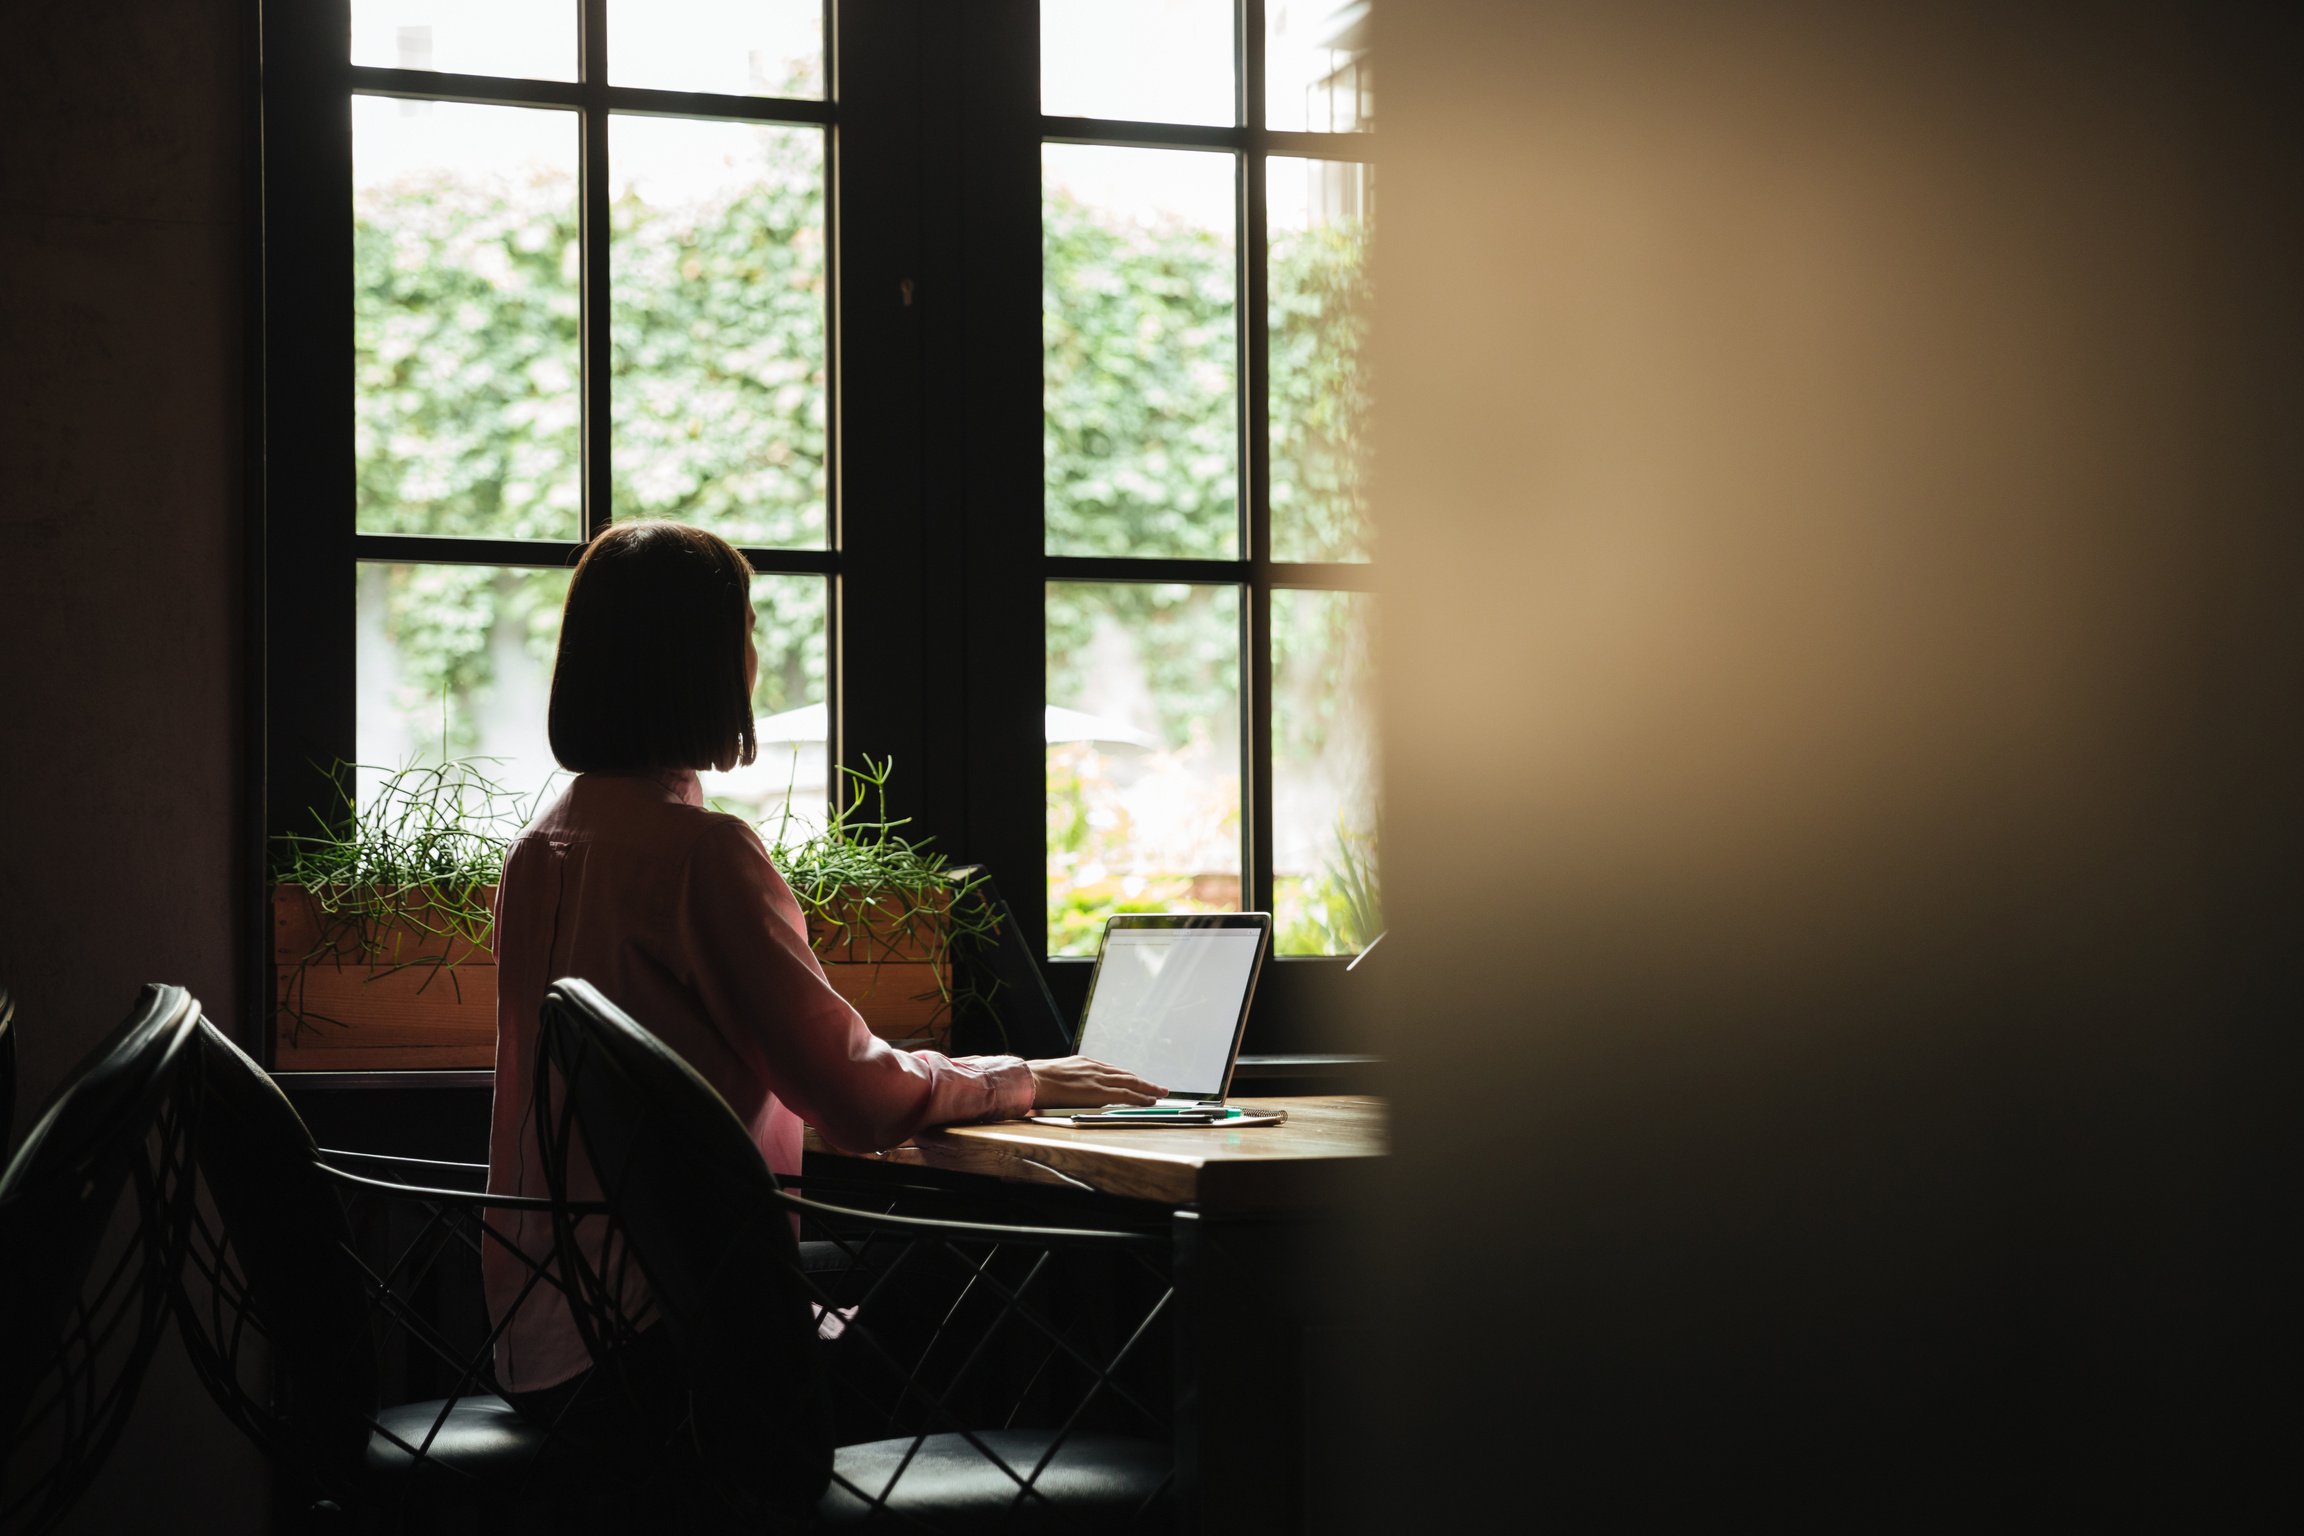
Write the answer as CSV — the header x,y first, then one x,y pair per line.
x,y
375,1384
84,1293
1002,1003
7,1071
693,1208
270,1260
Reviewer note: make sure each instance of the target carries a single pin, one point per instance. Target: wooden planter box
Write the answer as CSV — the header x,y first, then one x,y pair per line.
x,y
415,1000
896,973
425,1000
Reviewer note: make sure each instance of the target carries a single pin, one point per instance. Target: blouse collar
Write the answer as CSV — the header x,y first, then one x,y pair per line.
x,y
682,784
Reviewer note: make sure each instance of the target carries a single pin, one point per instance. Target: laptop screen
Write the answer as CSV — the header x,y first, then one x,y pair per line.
x,y
1170,995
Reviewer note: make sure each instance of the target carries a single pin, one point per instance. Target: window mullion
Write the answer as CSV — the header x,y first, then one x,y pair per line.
x,y
1256,481
1250,51
592,222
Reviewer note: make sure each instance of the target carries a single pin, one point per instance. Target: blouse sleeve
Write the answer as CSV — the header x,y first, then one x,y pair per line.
x,y
750,964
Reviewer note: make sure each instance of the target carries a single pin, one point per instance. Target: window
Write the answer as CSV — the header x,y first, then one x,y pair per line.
x,y
1031,386
1207,544
590,280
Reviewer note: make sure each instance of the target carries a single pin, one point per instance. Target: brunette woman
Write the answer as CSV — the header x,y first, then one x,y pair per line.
x,y
675,913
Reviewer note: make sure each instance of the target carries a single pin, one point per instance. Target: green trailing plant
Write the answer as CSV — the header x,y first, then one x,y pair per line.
x,y
400,880
867,889
1339,910
1352,872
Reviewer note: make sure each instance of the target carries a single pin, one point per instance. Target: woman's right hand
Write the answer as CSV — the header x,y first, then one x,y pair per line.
x,y
1081,1082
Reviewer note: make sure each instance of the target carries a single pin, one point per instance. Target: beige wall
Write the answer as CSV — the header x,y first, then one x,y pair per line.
x,y
1841,519
121,544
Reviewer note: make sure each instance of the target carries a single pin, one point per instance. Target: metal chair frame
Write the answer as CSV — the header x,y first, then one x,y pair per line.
x,y
978,1250
991,1286
393,1374
84,1295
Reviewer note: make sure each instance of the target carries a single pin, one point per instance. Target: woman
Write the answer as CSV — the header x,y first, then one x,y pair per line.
x,y
675,913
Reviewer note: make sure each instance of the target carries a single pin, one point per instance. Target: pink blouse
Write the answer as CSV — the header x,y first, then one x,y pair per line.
x,y
676,915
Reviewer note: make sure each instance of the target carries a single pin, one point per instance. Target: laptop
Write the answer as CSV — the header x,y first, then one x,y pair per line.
x,y
1169,999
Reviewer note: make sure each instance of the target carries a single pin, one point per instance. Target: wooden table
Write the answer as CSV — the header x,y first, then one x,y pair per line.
x,y
1307,1164
1249,1212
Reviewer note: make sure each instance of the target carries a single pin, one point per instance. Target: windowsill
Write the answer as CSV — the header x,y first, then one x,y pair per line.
x,y
1303,1064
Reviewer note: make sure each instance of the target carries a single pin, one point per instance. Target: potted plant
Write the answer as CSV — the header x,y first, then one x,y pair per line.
x,y
381,917
886,915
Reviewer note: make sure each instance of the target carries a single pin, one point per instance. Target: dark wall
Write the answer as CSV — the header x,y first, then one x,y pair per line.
x,y
1841,517
121,544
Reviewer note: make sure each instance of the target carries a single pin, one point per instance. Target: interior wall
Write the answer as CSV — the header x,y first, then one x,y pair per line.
x,y
1839,503
121,548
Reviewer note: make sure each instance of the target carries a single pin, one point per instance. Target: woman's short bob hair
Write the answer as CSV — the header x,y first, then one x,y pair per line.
x,y
650,673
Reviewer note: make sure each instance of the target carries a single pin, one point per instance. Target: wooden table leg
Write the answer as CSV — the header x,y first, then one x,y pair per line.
x,y
1247,1298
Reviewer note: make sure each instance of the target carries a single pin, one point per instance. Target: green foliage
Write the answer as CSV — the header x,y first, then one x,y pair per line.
x,y
1339,910
465,333
720,392
1142,421
467,309
1098,859
1138,360
467,341
862,860
416,855
431,833
1321,669
1320,392
861,883
1187,639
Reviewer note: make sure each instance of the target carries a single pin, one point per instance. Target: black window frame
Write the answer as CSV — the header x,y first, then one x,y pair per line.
x,y
934,560
1303,992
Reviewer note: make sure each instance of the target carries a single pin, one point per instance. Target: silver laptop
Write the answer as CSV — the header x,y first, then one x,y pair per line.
x,y
1169,998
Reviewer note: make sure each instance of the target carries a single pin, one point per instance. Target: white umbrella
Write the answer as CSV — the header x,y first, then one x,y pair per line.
x,y
808,723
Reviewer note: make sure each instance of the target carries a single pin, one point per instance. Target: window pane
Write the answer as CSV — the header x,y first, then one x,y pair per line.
x,y
526,39
733,47
455,661
1317,74
1143,727
718,278
1324,889
468,414
1318,216
1151,61
1138,332
788,714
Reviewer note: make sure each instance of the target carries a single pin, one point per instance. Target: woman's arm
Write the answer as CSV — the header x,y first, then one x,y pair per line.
x,y
760,984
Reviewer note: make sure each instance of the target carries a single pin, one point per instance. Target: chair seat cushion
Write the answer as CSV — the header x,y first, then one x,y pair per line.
x,y
484,1449
950,1485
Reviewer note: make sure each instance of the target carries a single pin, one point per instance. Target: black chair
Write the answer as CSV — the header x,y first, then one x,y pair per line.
x,y
374,1390
91,1230
1002,1003
988,1359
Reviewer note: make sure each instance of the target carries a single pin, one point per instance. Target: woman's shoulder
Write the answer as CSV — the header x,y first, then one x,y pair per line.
x,y
606,813
715,835
592,804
